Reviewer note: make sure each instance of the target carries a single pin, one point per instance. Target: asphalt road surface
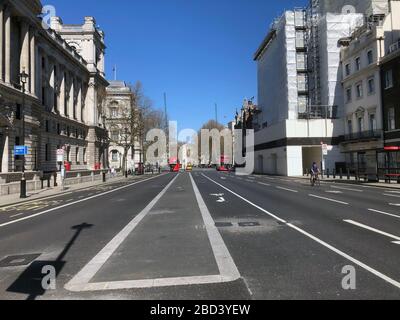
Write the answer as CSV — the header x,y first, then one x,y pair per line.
x,y
204,235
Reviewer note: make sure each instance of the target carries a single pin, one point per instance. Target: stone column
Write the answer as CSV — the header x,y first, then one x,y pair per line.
x,y
7,61
79,103
4,161
1,42
24,58
62,93
71,98
33,62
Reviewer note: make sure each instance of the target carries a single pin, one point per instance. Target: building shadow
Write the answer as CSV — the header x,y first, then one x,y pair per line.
x,y
30,281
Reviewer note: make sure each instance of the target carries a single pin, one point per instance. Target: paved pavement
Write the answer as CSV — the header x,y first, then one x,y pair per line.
x,y
205,235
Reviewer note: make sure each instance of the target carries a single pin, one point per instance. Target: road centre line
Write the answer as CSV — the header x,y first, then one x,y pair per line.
x,y
323,243
384,213
78,201
389,235
328,199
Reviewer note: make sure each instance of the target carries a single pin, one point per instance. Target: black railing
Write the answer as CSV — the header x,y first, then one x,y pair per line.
x,y
364,135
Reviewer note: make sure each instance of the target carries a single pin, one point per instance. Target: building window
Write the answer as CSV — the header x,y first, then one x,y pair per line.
x,y
359,90
47,125
348,69
358,64
84,155
18,113
300,43
348,95
48,152
370,57
114,155
115,135
301,61
77,155
302,100
388,79
391,119
360,122
372,122
302,84
114,113
371,85
349,126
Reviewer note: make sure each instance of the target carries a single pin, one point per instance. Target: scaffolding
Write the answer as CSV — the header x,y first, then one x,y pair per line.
x,y
313,55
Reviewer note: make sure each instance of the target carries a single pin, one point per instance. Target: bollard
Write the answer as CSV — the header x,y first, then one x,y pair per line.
x,y
334,173
327,173
104,177
348,174
341,173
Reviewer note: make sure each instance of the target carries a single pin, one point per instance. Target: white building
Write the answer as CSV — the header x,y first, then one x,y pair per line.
x,y
300,93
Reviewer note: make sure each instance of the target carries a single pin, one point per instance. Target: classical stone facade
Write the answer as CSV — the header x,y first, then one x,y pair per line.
x,y
64,94
120,109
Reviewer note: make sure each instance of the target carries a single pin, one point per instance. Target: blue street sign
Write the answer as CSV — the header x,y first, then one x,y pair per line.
x,y
20,150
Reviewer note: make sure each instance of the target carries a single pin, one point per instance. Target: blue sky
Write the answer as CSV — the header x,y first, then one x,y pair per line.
x,y
197,51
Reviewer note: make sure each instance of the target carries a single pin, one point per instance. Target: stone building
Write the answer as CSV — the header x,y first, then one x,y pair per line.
x,y
120,105
64,93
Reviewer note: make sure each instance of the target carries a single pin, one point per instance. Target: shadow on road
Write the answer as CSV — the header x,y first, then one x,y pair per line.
x,y
30,281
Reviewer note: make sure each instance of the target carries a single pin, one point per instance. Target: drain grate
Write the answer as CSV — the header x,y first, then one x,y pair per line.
x,y
249,224
223,224
18,261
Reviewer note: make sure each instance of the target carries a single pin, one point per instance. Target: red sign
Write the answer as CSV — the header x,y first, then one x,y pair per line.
x,y
392,148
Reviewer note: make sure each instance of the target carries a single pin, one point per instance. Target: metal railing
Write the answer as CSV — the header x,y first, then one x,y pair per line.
x,y
371,134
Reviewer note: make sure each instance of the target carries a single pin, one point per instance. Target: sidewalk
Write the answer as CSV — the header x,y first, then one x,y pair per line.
x,y
14,199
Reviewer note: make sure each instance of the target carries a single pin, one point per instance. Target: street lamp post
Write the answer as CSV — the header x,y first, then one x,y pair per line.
x,y
23,79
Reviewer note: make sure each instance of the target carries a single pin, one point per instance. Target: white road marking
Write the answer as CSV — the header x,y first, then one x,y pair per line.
x,y
264,184
391,195
221,200
81,280
323,243
328,199
17,215
389,235
73,203
394,204
285,189
35,200
385,213
334,192
226,266
347,189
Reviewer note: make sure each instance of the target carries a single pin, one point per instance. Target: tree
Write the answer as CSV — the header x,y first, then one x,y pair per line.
x,y
211,125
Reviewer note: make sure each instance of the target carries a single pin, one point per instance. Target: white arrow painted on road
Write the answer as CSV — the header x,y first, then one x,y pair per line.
x,y
217,194
221,199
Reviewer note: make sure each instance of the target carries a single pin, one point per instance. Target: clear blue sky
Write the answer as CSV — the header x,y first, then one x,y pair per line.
x,y
197,51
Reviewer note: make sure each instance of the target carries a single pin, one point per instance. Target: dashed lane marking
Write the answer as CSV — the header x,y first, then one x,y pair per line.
x,y
321,242
328,199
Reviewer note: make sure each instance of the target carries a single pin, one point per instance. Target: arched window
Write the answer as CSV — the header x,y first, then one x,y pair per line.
x,y
114,155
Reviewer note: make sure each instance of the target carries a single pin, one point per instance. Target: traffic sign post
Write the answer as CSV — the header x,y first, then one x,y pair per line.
x,y
20,150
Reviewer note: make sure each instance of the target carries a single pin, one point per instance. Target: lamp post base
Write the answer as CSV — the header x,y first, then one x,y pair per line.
x,y
23,189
